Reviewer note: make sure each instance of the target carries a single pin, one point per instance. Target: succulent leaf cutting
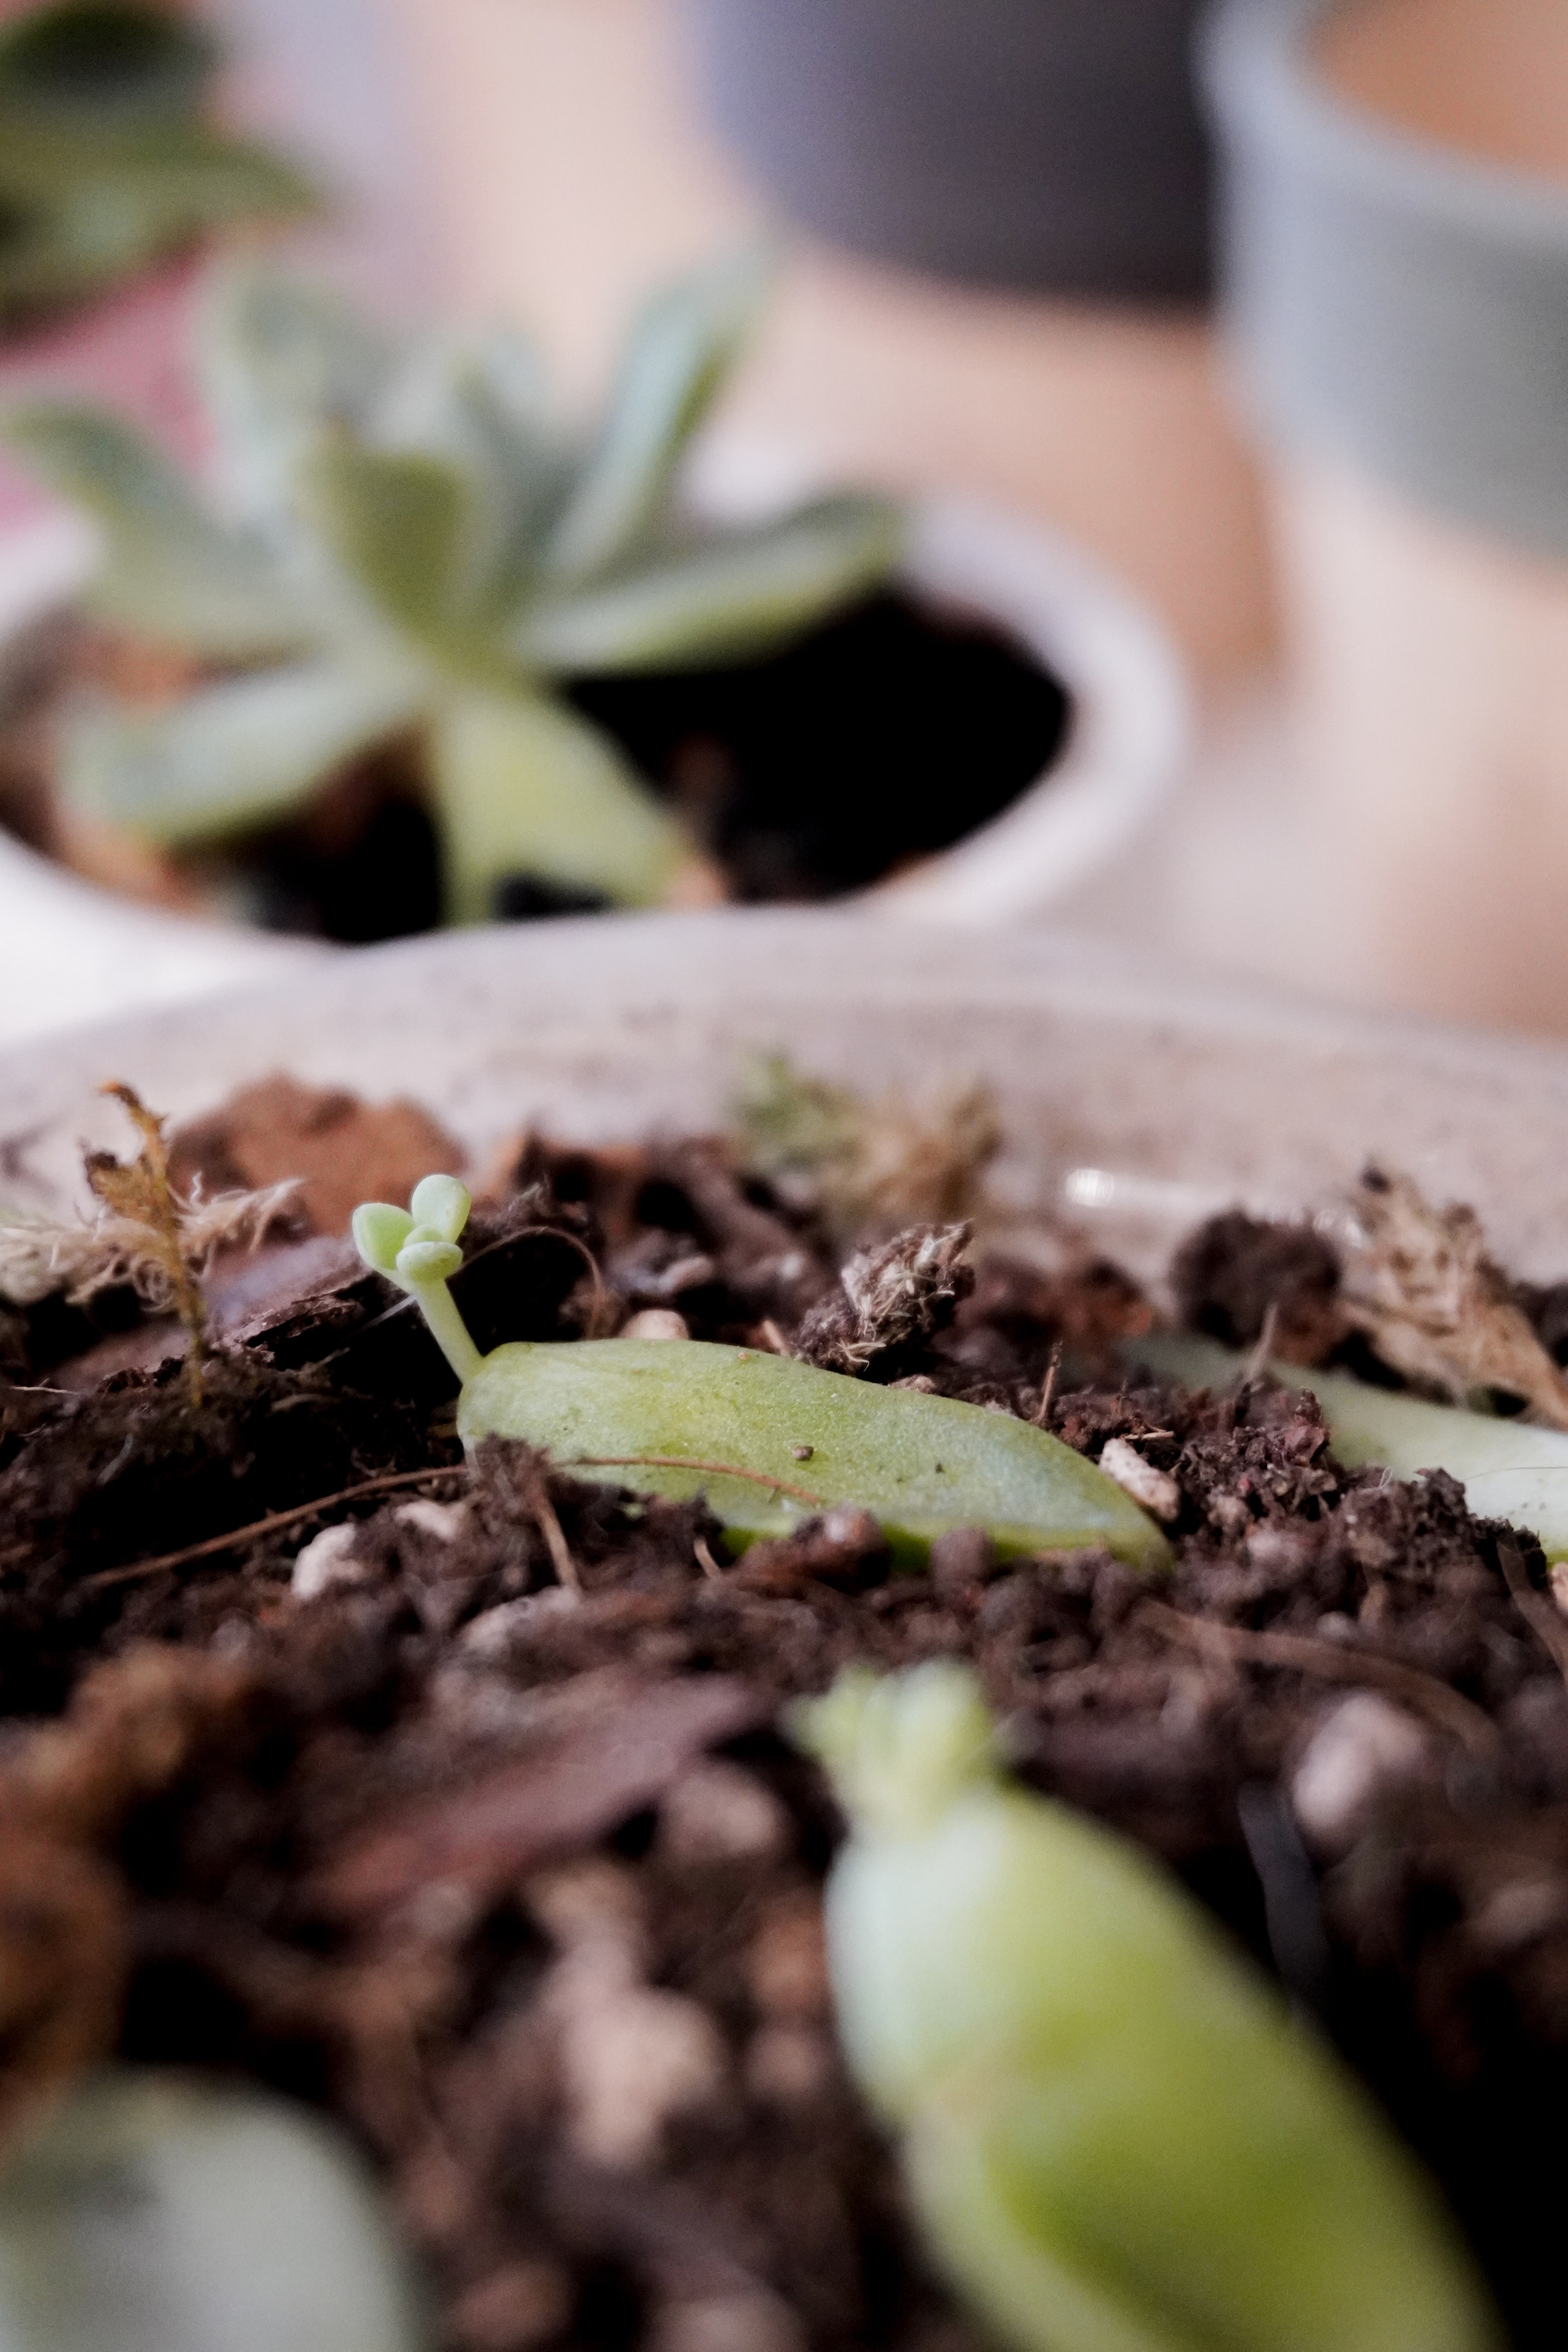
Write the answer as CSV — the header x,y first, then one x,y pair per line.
x,y
1119,2140
768,1441
404,546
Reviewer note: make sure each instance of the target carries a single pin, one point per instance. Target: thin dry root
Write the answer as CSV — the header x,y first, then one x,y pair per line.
x,y
42,1259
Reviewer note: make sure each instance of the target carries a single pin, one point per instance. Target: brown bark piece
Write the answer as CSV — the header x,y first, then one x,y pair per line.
x,y
487,1834
344,1151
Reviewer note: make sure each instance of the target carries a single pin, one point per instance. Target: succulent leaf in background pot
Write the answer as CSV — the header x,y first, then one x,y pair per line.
x,y
405,547
107,160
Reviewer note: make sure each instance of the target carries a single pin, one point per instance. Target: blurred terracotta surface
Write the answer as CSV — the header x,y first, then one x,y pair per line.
x,y
571,173
1489,77
1431,679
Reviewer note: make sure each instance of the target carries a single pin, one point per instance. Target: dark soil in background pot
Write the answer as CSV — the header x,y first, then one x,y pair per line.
x,y
381,1826
878,740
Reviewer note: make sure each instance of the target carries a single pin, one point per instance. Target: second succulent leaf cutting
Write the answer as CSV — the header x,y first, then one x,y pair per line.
x,y
1117,2136
768,1441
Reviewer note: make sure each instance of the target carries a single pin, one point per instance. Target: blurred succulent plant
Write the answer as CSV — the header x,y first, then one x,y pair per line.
x,y
403,543
107,161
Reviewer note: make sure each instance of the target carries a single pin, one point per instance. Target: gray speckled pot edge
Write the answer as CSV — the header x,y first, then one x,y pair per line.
x,y
1387,299
1186,1092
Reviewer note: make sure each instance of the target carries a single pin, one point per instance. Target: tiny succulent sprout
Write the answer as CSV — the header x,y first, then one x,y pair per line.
x,y
417,1247
1117,2136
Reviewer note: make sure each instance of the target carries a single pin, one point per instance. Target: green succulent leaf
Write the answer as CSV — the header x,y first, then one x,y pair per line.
x,y
80,209
684,1418
245,753
156,2209
476,403
523,787
103,62
183,179
442,1204
380,1231
680,351
171,571
282,359
722,602
408,532
74,223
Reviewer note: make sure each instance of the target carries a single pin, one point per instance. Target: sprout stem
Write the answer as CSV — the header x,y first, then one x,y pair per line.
x,y
447,1329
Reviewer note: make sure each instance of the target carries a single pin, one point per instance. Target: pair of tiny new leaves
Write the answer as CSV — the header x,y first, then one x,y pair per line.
x,y
417,1247
419,1244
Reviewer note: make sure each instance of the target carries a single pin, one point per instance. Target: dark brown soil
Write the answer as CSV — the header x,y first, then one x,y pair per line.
x,y
880,738
522,1883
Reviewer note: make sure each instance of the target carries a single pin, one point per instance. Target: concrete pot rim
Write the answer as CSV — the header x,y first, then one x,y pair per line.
x,y
1138,1095
1128,739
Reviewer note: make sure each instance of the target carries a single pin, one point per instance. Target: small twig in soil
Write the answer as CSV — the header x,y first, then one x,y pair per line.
x,y
686,1461
1539,1613
555,1541
270,1526
1448,1709
1049,1389
555,1233
705,1559
1263,1347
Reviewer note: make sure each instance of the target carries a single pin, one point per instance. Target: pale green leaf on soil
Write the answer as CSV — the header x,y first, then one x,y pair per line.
x,y
99,66
160,2212
1510,1469
523,787
722,602
171,570
407,532
281,359
921,1465
680,355
244,752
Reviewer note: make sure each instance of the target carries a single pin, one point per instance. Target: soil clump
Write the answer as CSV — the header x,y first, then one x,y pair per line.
x,y
520,1878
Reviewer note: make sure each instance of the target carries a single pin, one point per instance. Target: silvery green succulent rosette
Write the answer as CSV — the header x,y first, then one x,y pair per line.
x,y
401,540
108,160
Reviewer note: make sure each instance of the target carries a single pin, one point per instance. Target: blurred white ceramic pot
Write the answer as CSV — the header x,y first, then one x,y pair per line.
x,y
68,950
